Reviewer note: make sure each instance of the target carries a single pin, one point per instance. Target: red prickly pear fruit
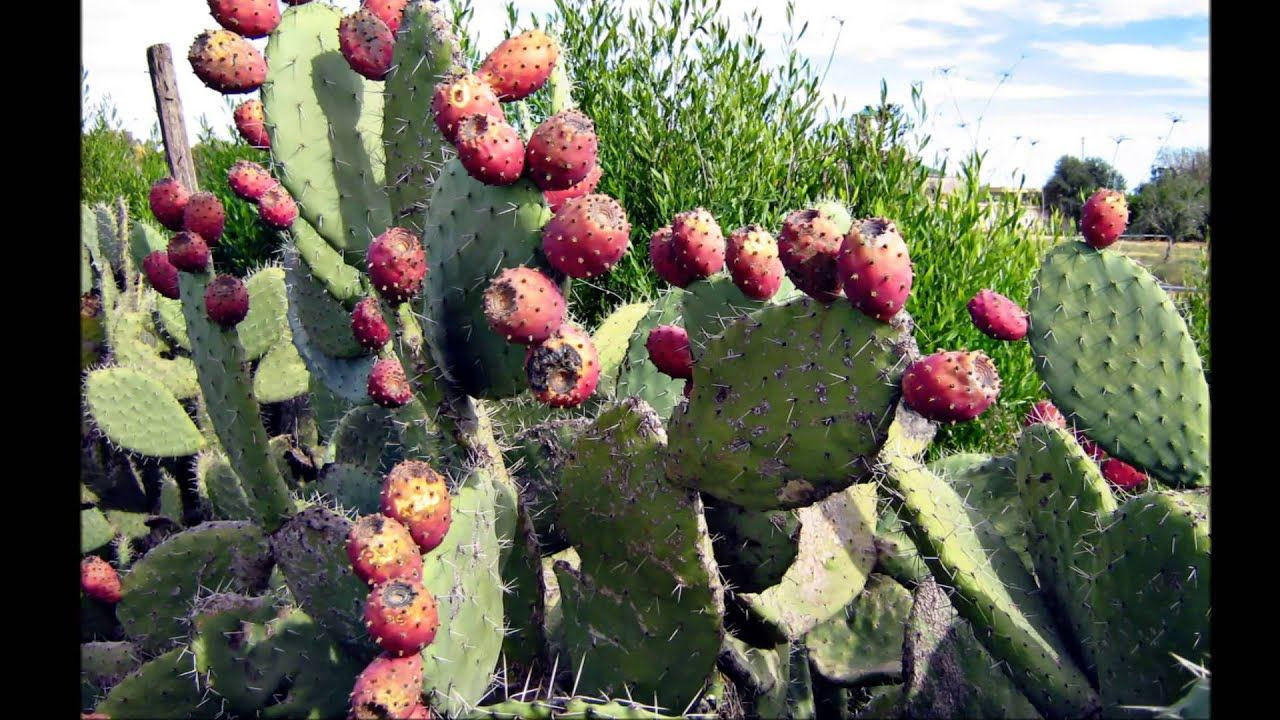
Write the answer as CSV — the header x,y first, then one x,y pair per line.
x,y
663,256
390,12
688,388
251,121
875,268
94,716
226,62
557,198
367,44
523,305
563,370
401,616
249,180
205,216
809,246
189,252
168,201
368,326
161,274
1122,474
419,712
1045,413
668,347
397,264
388,688
951,386
752,256
381,549
226,300
418,497
561,151
388,386
459,97
997,316
520,65
1090,447
250,18
277,208
587,237
490,149
698,242
99,580
1104,218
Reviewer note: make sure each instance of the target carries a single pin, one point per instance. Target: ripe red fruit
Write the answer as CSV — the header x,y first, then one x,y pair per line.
x,y
520,65
401,616
249,180
226,62
1103,218
490,149
997,316
668,347
459,97
697,242
251,121
523,305
752,256
875,268
367,44
250,18
663,256
168,200
562,151
390,12
397,264
382,549
388,688
587,236
99,580
1046,413
418,497
205,216
226,300
277,208
368,326
557,198
951,386
161,274
189,252
563,370
808,246
1122,474
388,386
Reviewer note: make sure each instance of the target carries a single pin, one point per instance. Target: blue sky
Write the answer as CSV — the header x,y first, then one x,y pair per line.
x,y
1025,80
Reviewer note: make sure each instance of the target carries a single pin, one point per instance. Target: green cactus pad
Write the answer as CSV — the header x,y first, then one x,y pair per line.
x,y
102,666
464,575
1118,361
225,385
473,232
232,652
993,590
989,485
135,344
86,271
863,646
836,554
362,437
776,385
95,530
535,461
1151,599
265,324
162,688
311,550
136,412
885,703
613,338
157,592
425,51
321,676
946,672
619,710
353,487
101,264
638,377
753,548
171,321
327,321
341,280
145,239
709,306
226,496
282,375
524,646
800,701
896,553
516,710
346,378
762,673
325,124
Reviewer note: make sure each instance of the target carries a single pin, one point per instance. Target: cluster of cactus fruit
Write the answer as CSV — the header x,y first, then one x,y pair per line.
x,y
716,503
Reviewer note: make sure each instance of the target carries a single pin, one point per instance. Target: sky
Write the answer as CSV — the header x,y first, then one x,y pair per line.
x,y
1027,81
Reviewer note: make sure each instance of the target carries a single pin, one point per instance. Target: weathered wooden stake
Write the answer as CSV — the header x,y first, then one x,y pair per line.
x,y
173,128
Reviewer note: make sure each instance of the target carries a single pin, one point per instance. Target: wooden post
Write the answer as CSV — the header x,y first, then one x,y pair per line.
x,y
173,128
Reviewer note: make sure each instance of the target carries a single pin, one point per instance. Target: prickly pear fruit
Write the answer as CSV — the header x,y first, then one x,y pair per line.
x,y
808,246
226,300
523,305
251,121
388,386
520,65
752,256
390,12
226,62
205,217
168,201
401,616
418,497
397,264
557,198
563,370
419,712
99,580
1122,474
249,180
997,316
461,96
668,347
587,236
277,208
688,388
698,242
490,149
367,44
368,326
189,252
561,151
1046,413
388,688
382,549
663,256
161,274
951,386
250,18
875,268
1103,218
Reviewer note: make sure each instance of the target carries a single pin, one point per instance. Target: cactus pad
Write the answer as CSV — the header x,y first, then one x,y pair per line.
x,y
864,644
137,413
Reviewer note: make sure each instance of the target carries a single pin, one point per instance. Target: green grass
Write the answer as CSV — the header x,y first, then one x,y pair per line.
x,y
1179,265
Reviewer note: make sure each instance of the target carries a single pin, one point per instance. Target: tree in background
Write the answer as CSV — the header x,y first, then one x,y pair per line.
x,y
1074,180
1175,202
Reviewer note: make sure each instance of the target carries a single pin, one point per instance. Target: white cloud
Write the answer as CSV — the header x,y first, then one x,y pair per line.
x,y
1190,65
1108,13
